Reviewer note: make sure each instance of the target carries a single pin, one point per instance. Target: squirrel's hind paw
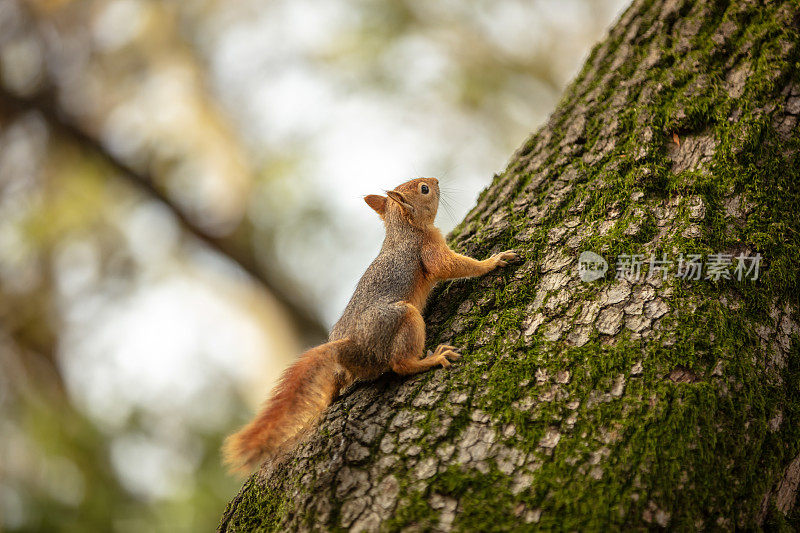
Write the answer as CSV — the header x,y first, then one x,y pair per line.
x,y
443,355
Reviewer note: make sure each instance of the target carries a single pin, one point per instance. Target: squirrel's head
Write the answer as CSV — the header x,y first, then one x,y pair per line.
x,y
416,201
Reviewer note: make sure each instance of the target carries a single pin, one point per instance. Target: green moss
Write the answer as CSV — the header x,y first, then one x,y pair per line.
x,y
413,511
259,509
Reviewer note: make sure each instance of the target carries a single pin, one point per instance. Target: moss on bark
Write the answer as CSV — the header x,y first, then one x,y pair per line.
x,y
656,402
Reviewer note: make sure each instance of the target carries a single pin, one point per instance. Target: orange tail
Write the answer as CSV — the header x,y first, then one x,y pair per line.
x,y
305,390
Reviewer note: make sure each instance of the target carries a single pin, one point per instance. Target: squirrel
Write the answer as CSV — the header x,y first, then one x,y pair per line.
x,y
381,329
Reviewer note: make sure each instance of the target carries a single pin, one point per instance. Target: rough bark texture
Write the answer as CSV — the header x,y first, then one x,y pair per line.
x,y
669,403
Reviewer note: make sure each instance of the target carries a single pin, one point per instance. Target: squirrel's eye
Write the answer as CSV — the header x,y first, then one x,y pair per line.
x,y
424,189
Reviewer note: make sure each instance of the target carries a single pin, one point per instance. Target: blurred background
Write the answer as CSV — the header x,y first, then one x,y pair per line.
x,y
181,213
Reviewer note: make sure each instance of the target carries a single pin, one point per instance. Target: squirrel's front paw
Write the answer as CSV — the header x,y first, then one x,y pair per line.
x,y
502,259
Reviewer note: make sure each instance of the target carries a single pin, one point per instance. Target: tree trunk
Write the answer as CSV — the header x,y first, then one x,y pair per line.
x,y
625,401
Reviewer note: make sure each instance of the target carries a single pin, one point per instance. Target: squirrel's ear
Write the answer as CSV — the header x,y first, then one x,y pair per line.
x,y
400,199
376,202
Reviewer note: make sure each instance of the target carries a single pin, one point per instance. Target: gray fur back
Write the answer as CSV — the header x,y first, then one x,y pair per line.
x,y
372,316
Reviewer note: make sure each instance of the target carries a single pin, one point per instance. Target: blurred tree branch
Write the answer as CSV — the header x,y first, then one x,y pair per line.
x,y
233,246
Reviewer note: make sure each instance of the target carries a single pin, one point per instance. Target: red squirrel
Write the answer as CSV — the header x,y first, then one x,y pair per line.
x,y
381,328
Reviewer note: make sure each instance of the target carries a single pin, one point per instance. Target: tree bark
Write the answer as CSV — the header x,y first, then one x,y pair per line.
x,y
616,403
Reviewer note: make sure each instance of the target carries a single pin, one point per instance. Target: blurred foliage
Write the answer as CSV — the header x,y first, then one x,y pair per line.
x,y
57,472
171,173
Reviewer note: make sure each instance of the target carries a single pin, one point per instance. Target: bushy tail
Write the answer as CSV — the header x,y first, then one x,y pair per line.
x,y
305,390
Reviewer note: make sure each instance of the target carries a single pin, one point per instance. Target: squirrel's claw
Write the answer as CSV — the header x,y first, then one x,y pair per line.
x,y
445,353
445,348
501,259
